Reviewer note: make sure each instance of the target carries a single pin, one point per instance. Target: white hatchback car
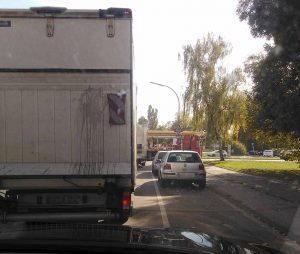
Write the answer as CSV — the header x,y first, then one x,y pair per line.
x,y
216,153
157,161
181,165
268,153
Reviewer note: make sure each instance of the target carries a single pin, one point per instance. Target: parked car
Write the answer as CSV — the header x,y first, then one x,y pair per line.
x,y
216,153
179,165
268,153
255,152
157,161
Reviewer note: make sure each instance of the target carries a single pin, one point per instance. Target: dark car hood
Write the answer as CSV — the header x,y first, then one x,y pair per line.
x,y
114,236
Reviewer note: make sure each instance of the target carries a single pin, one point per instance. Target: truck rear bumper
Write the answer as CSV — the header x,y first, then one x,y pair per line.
x,y
61,217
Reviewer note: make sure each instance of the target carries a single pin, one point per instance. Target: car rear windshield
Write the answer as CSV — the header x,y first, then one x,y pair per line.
x,y
184,157
161,155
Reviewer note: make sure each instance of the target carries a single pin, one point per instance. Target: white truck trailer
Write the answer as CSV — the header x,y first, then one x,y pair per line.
x,y
67,115
141,143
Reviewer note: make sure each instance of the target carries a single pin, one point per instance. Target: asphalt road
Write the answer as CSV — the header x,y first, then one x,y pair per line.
x,y
232,205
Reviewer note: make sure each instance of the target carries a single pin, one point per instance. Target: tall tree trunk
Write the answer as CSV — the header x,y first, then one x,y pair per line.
x,y
219,139
221,150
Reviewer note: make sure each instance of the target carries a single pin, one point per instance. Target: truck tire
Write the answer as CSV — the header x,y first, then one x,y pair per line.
x,y
122,220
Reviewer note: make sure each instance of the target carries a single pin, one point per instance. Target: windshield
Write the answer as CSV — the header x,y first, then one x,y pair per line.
x,y
184,157
173,123
161,155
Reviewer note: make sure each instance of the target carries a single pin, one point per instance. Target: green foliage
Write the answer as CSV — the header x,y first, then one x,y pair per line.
x,y
185,123
290,155
276,93
213,97
142,121
296,155
162,128
152,118
262,135
276,75
238,148
275,19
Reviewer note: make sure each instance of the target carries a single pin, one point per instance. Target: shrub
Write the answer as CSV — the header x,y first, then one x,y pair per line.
x,y
238,148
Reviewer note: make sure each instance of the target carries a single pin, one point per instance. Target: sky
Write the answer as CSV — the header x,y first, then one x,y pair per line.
x,y
160,30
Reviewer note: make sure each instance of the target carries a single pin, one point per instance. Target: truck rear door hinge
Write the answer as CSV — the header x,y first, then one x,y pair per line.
x,y
110,26
50,27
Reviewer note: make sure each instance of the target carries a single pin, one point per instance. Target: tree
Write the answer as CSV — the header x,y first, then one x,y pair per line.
x,y
142,121
262,135
185,123
162,127
274,19
152,118
276,75
212,95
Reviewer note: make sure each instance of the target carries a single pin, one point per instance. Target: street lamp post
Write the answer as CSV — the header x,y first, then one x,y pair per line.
x,y
178,114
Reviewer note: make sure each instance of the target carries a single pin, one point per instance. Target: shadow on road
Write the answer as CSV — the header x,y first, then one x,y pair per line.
x,y
174,189
190,207
146,189
276,188
270,202
144,175
144,168
217,208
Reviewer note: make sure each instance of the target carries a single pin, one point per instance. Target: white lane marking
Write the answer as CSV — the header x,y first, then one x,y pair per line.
x,y
164,217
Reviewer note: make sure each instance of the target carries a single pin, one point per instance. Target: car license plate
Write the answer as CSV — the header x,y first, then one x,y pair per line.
x,y
63,199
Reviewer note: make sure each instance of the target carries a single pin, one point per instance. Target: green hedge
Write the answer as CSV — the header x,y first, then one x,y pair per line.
x,y
238,148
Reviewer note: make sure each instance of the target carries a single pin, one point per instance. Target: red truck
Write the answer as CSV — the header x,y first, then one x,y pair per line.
x,y
185,140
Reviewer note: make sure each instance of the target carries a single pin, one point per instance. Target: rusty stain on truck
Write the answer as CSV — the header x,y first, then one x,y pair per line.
x,y
91,110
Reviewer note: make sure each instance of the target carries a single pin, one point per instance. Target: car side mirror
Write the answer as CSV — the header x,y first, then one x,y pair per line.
x,y
158,161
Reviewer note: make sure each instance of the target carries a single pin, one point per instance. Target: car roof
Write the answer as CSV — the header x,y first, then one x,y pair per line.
x,y
182,151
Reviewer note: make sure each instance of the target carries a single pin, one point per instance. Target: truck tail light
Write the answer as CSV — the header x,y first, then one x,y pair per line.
x,y
115,12
167,166
126,200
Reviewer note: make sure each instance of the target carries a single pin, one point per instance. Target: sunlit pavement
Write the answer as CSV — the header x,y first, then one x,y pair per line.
x,y
244,158
233,205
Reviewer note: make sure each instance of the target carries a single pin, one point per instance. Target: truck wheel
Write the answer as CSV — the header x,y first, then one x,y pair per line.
x,y
122,220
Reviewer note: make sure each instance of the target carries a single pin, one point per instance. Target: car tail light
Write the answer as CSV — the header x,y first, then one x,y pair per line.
x,y
167,166
126,200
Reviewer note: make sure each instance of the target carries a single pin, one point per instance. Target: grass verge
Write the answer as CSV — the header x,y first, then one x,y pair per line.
x,y
282,169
